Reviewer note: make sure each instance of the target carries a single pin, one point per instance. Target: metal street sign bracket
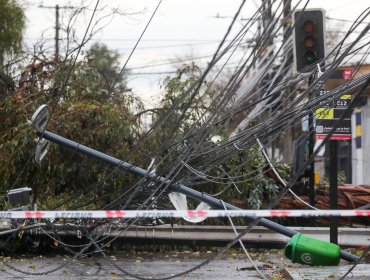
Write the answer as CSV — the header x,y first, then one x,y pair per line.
x,y
42,149
40,118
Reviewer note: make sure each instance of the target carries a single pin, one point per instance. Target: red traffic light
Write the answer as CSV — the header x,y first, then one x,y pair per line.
x,y
308,27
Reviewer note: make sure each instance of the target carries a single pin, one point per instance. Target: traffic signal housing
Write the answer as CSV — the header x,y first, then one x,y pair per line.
x,y
309,39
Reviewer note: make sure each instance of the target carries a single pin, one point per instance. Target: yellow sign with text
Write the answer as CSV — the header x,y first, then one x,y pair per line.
x,y
325,114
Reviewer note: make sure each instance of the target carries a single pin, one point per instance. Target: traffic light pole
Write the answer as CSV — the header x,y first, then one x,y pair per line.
x,y
309,50
176,187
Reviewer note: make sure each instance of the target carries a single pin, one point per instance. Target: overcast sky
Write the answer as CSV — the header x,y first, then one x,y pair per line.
x,y
180,29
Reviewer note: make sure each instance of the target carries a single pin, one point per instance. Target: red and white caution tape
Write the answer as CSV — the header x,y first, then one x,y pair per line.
x,y
121,214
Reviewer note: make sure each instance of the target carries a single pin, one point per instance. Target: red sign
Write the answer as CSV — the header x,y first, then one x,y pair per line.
x,y
347,74
334,136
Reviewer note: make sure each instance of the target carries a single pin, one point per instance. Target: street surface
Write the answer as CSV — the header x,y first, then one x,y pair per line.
x,y
232,266
146,265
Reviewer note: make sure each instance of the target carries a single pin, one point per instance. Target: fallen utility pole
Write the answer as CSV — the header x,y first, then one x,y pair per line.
x,y
176,187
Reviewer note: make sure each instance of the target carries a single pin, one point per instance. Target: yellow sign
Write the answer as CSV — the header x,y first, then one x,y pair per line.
x,y
346,96
325,113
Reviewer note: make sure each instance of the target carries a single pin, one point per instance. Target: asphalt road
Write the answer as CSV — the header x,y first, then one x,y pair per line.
x,y
145,265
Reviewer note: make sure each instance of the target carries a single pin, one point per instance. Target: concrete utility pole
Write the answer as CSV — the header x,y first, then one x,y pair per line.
x,y
287,22
266,16
287,33
56,32
57,26
174,187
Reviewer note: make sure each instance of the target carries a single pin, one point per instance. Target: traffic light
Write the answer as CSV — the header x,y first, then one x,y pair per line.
x,y
309,39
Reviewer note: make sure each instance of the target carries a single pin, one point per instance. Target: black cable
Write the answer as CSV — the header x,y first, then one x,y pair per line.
x,y
136,44
240,138
366,251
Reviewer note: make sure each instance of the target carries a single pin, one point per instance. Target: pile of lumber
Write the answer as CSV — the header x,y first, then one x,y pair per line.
x,y
349,197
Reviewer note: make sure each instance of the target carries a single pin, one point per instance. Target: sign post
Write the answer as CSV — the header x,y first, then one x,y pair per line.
x,y
333,189
327,117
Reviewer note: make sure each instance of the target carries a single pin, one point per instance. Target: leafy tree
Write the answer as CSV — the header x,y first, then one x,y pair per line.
x,y
12,24
106,63
179,109
108,119
84,111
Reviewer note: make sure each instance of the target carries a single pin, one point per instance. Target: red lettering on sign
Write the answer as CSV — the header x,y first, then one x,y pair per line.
x,y
34,214
362,213
197,213
347,74
279,213
334,136
114,214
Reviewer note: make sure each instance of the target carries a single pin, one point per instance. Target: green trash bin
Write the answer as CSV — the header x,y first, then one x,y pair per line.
x,y
307,250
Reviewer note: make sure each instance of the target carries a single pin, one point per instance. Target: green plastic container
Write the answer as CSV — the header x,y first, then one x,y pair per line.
x,y
311,251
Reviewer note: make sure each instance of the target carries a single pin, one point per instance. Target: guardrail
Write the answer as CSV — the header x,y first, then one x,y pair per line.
x,y
347,237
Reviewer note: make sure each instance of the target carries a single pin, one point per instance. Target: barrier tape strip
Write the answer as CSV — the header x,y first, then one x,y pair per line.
x,y
120,214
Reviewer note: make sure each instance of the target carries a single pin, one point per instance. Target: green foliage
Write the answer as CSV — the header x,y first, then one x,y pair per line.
x,y
87,113
12,24
106,62
90,112
342,180
186,114
180,108
251,179
186,108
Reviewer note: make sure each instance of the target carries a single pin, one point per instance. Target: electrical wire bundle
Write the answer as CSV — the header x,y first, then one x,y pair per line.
x,y
262,88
